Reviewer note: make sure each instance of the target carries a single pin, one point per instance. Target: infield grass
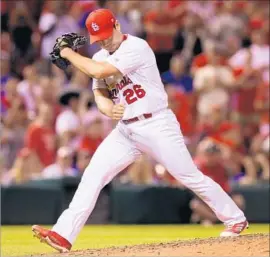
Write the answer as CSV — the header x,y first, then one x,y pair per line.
x,y
18,240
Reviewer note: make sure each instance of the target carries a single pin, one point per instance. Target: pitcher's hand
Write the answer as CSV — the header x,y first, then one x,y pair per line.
x,y
118,111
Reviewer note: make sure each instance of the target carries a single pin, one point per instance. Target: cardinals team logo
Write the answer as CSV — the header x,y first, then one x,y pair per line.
x,y
95,27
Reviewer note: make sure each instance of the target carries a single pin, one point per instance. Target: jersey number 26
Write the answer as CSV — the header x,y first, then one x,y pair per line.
x,y
132,95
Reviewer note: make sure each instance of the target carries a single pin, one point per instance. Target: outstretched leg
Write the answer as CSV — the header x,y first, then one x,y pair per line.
x,y
114,154
166,144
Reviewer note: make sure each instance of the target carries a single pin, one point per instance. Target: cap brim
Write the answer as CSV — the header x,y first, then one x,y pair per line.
x,y
101,36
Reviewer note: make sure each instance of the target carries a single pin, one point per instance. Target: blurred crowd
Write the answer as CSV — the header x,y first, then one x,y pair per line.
x,y
213,58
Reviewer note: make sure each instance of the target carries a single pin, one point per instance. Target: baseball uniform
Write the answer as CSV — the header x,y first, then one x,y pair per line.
x,y
148,126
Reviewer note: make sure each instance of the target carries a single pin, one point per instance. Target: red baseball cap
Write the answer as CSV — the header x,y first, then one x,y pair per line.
x,y
99,24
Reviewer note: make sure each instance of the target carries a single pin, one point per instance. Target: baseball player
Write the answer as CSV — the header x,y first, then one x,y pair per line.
x,y
128,88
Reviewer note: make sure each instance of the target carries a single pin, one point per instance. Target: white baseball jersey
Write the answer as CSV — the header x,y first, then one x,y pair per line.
x,y
140,87
141,90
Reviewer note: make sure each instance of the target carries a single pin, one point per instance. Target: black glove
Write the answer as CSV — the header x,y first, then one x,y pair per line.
x,y
71,40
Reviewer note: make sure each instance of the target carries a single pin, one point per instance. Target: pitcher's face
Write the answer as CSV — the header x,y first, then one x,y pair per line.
x,y
107,44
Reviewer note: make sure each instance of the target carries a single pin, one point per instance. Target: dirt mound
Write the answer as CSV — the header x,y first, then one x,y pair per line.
x,y
246,245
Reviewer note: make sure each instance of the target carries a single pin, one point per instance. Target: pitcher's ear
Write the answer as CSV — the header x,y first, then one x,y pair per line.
x,y
117,25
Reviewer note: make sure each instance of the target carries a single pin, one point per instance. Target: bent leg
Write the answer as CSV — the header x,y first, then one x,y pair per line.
x,y
114,154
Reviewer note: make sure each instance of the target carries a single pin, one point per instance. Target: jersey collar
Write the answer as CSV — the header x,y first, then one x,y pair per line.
x,y
125,36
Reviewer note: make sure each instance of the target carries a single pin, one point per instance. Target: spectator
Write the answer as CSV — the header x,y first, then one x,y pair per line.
x,y
213,57
48,90
48,94
228,22
178,9
233,43
135,12
29,89
25,168
160,30
261,105
210,49
15,123
121,15
79,81
228,136
260,143
68,121
204,9
177,76
4,17
5,76
181,104
189,40
79,10
247,80
58,76
213,84
5,68
86,104
9,94
40,137
260,150
54,22
95,129
216,127
82,160
259,51
62,167
22,27
141,172
210,162
252,64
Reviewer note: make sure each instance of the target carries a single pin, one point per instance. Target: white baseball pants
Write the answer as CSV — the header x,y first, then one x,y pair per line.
x,y
159,136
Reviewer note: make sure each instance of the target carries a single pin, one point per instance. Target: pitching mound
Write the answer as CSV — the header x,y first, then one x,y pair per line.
x,y
246,245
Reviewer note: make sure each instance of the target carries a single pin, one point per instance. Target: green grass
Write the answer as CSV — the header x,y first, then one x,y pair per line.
x,y
18,240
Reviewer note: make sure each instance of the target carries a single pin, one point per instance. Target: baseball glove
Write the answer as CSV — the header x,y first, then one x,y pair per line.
x,y
71,40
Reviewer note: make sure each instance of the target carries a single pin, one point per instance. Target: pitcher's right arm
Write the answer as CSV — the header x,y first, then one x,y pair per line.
x,y
106,105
